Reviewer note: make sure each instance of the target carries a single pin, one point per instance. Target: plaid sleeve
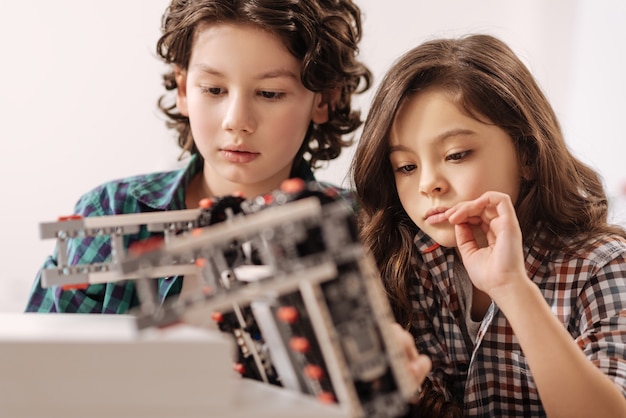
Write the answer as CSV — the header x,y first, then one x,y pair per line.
x,y
602,313
97,298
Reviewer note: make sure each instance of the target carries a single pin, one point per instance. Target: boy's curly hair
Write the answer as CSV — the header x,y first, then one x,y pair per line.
x,y
323,34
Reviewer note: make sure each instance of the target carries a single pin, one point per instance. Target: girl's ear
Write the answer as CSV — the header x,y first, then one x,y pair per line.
x,y
181,87
324,104
527,173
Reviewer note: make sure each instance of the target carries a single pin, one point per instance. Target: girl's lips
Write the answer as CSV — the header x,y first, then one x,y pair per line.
x,y
239,157
435,216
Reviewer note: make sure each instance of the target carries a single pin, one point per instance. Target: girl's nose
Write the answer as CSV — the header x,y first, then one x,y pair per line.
x,y
431,183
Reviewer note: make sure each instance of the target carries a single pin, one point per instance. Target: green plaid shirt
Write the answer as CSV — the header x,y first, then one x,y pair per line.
x,y
139,194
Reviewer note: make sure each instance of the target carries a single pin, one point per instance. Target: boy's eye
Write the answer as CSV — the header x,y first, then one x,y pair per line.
x,y
215,91
271,95
457,156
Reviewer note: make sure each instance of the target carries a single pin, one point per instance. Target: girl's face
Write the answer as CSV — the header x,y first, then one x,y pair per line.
x,y
441,156
247,108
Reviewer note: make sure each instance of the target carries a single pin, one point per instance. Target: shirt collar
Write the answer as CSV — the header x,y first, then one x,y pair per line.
x,y
166,191
424,243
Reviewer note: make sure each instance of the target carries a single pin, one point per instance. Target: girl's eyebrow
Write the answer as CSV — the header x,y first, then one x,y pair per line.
x,y
275,73
454,132
439,139
398,148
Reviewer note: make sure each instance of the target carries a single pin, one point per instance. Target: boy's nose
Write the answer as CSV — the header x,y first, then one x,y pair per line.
x,y
239,116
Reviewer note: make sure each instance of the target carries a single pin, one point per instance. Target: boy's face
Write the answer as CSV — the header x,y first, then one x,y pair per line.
x,y
247,108
441,156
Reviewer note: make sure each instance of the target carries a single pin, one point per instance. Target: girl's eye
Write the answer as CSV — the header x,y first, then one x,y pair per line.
x,y
271,95
458,156
406,169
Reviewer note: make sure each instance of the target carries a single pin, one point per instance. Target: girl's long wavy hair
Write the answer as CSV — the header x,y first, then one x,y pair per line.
x,y
322,34
487,80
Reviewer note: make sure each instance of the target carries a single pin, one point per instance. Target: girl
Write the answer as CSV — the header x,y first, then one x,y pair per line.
x,y
263,92
492,238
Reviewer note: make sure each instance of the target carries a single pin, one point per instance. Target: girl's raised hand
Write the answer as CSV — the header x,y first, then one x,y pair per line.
x,y
497,264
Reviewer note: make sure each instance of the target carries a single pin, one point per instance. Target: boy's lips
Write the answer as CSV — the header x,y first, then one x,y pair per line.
x,y
234,155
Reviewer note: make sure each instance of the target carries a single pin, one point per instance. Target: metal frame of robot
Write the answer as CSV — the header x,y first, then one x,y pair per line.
x,y
116,226
357,348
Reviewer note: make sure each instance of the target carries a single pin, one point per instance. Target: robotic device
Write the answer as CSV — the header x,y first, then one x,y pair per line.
x,y
287,276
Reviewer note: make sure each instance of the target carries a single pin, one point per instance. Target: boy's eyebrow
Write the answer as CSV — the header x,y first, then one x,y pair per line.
x,y
279,73
276,73
441,138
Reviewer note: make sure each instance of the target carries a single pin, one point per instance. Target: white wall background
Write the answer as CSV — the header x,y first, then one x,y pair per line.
x,y
80,82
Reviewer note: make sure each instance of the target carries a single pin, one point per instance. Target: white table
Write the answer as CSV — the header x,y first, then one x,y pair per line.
x,y
97,366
